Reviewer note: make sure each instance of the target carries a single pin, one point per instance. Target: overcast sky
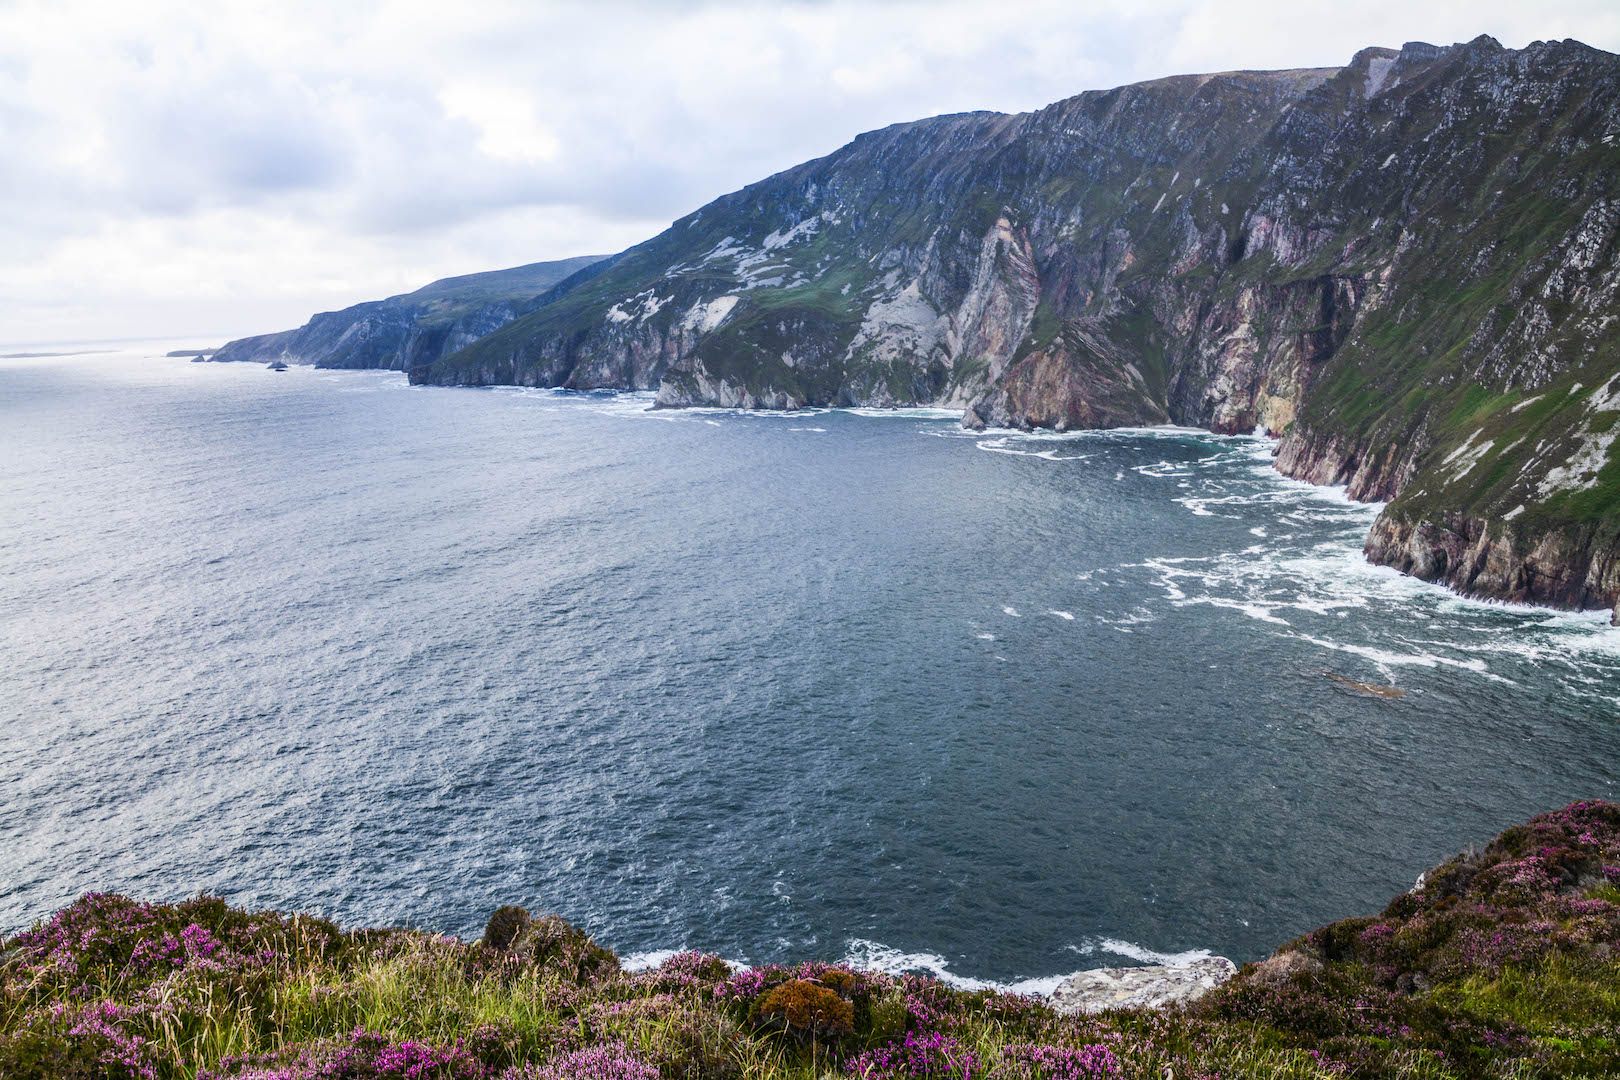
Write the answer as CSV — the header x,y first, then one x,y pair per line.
x,y
230,168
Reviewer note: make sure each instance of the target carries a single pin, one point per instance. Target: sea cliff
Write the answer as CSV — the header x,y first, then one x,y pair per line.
x,y
1407,267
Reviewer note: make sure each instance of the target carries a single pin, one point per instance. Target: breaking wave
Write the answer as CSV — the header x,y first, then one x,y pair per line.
x,y
1109,952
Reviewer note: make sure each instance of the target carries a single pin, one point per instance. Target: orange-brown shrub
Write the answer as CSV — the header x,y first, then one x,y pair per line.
x,y
805,1008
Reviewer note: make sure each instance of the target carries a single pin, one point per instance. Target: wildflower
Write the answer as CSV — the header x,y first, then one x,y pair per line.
x,y
607,1061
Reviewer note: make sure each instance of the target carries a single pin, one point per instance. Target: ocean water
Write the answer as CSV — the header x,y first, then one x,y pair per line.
x,y
828,684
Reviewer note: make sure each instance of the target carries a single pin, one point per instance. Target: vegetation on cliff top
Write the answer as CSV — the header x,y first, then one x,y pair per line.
x,y
1503,964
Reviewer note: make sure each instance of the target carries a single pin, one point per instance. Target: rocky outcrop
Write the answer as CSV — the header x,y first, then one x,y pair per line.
x,y
1141,987
1571,569
1341,461
413,328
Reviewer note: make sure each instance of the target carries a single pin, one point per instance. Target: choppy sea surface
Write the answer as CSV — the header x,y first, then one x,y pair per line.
x,y
826,684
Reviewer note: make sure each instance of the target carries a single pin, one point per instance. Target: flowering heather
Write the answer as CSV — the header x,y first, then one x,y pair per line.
x,y
687,971
78,1040
610,1061
1029,1061
1505,963
749,983
365,1055
1438,976
931,1055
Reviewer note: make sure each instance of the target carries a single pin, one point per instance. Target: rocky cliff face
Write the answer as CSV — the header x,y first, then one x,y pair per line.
x,y
1407,266
413,328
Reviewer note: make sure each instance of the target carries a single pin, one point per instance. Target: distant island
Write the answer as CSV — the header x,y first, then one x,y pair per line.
x,y
1500,962
46,355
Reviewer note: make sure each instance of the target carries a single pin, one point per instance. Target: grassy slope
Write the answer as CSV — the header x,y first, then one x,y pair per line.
x,y
449,298
1504,964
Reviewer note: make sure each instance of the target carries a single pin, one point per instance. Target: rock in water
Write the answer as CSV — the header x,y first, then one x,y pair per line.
x,y
1366,689
1140,987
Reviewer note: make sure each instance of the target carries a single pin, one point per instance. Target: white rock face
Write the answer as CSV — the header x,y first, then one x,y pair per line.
x,y
703,318
1377,71
1140,987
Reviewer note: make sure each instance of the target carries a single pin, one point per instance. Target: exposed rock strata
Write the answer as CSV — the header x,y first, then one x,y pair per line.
x,y
1562,569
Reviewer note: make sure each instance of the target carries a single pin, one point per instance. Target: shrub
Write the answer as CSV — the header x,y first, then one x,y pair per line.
x,y
805,1009
504,926
553,942
839,982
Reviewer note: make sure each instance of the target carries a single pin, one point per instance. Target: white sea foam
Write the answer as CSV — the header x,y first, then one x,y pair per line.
x,y
874,956
1123,623
1133,951
918,413
641,961
1253,611
1199,507
869,955
1279,572
1163,469
773,414
1069,616
1385,659
1011,611
1000,446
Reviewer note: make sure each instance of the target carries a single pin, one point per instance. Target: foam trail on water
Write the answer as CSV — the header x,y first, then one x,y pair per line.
x,y
1133,951
870,955
917,413
875,956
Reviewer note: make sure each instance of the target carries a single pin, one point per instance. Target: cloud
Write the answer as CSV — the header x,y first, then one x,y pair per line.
x,y
505,117
250,162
